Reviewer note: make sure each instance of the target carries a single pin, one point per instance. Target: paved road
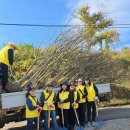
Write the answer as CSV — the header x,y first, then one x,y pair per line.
x,y
104,114
114,113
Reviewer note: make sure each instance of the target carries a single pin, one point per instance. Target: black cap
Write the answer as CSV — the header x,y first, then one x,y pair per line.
x,y
30,88
86,78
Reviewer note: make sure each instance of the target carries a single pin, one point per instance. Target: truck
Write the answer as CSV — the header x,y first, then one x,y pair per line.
x,y
12,105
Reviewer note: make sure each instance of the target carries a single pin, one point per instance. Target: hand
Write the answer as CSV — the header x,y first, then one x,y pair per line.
x,y
52,105
74,104
48,104
61,101
96,98
39,108
45,102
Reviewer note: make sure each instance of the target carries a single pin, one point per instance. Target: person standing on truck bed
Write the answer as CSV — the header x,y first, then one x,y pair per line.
x,y
6,61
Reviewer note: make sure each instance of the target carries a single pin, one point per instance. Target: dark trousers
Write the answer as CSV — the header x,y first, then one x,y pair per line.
x,y
66,117
91,111
30,125
4,75
81,112
72,119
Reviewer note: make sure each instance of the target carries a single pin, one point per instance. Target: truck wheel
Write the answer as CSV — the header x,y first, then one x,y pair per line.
x,y
2,125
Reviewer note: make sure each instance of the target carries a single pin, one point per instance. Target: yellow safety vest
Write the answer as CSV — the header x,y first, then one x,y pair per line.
x,y
4,55
49,100
78,89
32,113
91,93
75,98
63,96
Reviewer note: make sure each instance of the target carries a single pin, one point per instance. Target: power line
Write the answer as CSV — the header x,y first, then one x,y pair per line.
x,y
30,18
11,17
60,25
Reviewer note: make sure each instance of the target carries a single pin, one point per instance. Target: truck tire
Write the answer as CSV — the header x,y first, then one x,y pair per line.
x,y
2,125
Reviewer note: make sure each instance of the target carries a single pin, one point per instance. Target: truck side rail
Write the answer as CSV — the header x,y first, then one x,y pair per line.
x,y
18,99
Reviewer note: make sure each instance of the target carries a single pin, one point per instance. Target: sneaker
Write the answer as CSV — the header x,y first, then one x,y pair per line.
x,y
89,124
93,123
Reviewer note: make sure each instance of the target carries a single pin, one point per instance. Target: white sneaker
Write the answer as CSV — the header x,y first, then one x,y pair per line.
x,y
94,124
89,124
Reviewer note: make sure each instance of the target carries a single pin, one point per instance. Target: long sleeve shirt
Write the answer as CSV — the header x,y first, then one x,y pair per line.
x,y
10,56
30,105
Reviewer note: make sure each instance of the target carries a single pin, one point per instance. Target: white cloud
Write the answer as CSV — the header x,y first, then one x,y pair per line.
x,y
118,10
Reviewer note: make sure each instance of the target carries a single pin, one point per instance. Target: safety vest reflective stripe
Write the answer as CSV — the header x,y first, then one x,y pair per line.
x,y
49,100
32,113
91,93
63,96
4,55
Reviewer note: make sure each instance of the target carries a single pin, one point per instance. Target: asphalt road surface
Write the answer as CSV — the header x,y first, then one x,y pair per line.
x,y
104,114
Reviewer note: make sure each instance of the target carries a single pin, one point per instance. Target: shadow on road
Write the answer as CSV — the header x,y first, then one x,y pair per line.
x,y
18,128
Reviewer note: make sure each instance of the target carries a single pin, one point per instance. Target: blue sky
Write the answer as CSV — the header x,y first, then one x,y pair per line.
x,y
33,12
54,12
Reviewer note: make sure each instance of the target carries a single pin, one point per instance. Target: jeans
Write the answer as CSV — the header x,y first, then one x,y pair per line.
x,y
54,122
30,125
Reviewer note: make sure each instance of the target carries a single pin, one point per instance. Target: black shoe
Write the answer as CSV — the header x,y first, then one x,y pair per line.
x,y
5,91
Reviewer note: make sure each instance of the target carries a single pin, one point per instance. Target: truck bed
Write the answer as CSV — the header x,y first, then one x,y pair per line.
x,y
18,99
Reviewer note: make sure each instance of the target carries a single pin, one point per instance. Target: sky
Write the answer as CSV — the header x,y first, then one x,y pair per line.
x,y
55,12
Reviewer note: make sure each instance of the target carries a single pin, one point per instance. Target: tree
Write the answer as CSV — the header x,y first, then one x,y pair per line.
x,y
97,29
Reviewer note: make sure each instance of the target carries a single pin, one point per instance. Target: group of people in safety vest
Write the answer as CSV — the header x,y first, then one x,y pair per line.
x,y
71,102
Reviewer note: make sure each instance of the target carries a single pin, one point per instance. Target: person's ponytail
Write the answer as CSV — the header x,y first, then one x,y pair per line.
x,y
27,94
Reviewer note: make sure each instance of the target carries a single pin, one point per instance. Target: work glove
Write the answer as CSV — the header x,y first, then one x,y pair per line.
x,y
96,98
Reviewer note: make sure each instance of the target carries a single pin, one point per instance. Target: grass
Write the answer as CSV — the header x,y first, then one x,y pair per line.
x,y
115,102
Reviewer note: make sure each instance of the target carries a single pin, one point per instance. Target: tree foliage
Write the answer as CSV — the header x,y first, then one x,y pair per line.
x,y
97,29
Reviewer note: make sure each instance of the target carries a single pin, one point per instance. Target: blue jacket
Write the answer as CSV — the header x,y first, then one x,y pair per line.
x,y
29,104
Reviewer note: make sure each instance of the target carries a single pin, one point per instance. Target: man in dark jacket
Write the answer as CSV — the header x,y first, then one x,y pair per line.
x,y
6,61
